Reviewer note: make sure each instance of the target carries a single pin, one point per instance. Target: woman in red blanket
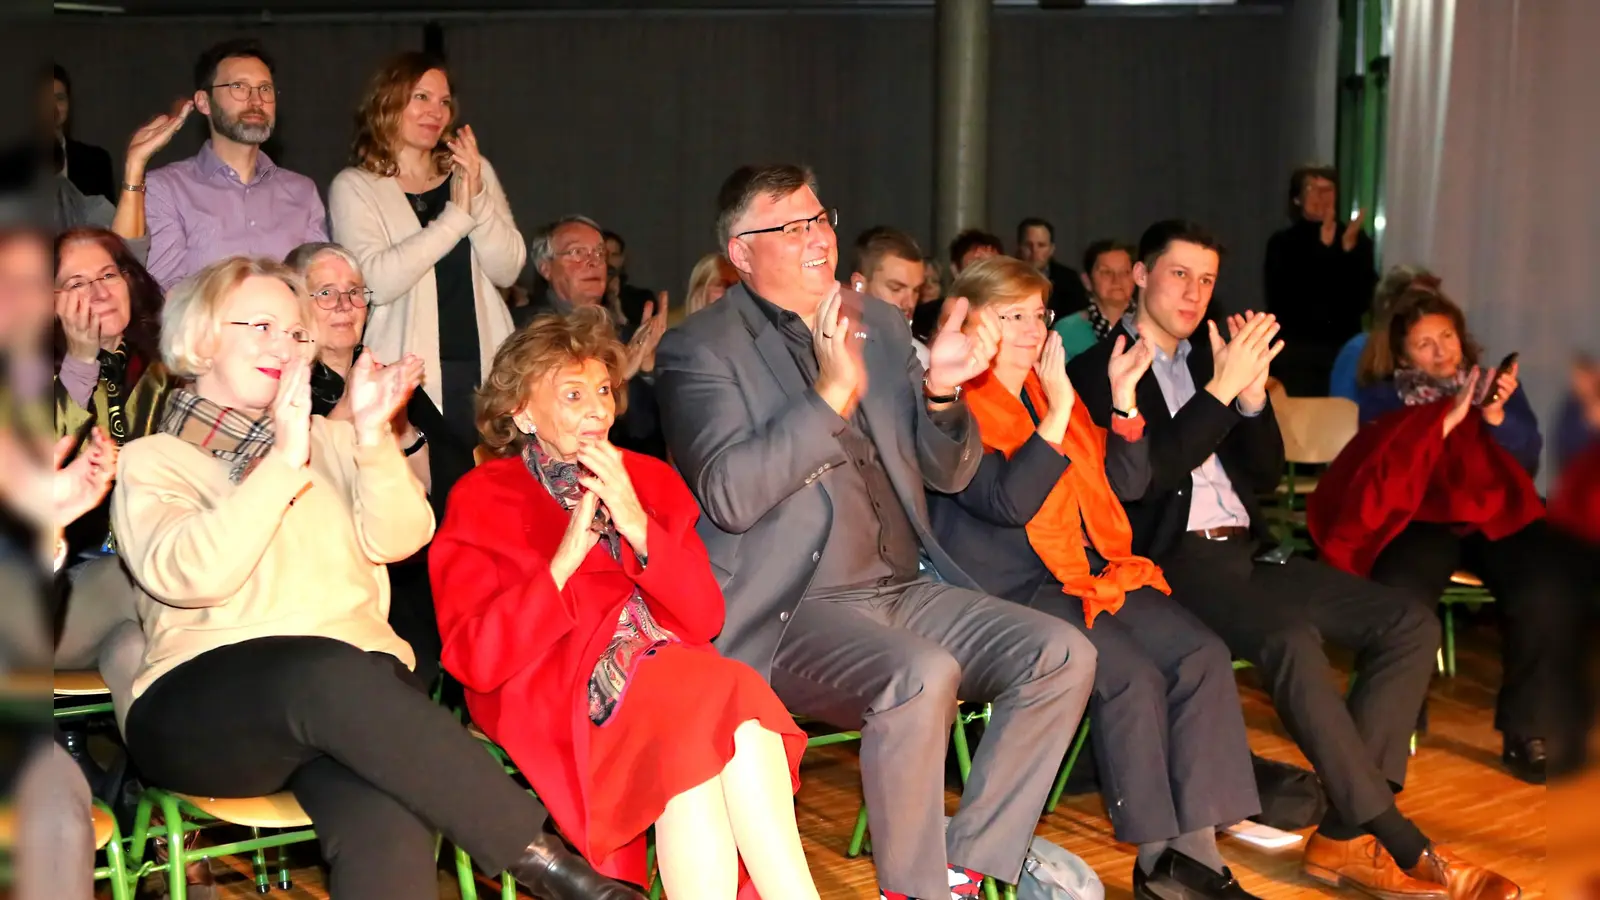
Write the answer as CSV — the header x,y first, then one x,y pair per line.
x,y
1440,478
577,607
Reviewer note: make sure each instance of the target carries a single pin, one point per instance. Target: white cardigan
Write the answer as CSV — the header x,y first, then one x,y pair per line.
x,y
373,219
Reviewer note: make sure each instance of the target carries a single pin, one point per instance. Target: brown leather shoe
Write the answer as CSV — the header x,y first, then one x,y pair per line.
x,y
1464,880
1363,864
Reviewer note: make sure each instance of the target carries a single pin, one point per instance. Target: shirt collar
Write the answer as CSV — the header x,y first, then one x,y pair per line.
x,y
777,315
1131,323
210,163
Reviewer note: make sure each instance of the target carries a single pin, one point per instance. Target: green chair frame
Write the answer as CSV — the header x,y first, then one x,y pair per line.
x,y
123,879
1464,590
180,817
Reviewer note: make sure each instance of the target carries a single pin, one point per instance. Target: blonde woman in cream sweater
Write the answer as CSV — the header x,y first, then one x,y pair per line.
x,y
426,217
259,534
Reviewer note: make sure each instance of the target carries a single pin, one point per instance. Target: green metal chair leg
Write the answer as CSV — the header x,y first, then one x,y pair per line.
x,y
177,860
1449,641
858,837
465,876
258,862
1066,767
508,886
284,881
116,870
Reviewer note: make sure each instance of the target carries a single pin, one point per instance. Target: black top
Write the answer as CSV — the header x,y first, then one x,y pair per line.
x,y
1318,292
862,490
452,276
1067,295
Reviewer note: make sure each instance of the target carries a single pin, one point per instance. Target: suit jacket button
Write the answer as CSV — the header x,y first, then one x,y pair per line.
x,y
783,616
816,556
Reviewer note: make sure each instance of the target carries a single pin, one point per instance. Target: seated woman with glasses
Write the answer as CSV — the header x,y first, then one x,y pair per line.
x,y
1042,524
426,218
1440,478
340,300
578,607
259,533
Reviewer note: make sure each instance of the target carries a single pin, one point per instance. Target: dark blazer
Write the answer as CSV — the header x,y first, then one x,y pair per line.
x,y
89,169
1250,447
985,525
752,440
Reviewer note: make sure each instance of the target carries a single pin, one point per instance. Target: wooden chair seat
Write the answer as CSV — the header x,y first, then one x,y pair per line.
x,y
279,810
104,827
84,683
1463,578
1300,484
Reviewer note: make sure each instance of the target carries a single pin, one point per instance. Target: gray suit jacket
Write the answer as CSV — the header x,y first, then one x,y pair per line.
x,y
752,441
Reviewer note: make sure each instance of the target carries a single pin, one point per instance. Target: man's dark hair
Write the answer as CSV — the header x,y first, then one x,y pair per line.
x,y
1092,253
1034,222
60,75
613,236
969,240
741,189
881,241
1297,183
1158,237
205,68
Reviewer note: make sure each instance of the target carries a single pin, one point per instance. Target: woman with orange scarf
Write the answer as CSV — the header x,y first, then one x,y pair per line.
x,y
1041,524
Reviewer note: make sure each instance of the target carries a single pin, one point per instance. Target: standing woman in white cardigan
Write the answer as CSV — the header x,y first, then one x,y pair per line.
x,y
425,215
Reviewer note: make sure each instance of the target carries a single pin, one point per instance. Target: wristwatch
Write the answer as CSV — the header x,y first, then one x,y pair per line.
x,y
927,392
1131,412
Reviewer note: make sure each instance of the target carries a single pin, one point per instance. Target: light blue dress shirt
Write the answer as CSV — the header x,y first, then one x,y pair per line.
x,y
1215,503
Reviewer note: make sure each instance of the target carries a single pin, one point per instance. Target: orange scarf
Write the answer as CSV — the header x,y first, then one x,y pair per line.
x,y
1082,497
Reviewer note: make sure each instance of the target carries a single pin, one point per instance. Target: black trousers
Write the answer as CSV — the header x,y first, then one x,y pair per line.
x,y
1168,730
1277,617
1541,597
376,764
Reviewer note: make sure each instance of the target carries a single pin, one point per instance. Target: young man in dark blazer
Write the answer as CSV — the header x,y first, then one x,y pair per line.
x,y
1214,446
807,430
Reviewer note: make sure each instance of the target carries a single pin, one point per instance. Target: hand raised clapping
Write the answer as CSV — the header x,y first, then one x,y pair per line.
x,y
955,356
377,392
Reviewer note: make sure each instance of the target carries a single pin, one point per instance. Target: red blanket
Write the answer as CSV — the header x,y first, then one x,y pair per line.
x,y
1401,469
1575,505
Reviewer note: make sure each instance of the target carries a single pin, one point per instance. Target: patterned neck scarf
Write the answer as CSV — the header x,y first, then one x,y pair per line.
x,y
225,433
114,378
1418,388
1102,325
561,480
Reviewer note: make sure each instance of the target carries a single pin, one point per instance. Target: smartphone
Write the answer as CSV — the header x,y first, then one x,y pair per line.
x,y
1273,554
1494,377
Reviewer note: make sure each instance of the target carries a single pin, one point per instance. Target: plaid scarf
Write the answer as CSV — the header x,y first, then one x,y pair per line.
x,y
225,433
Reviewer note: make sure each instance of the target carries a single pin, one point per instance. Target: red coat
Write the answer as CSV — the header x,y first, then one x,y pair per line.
x,y
524,651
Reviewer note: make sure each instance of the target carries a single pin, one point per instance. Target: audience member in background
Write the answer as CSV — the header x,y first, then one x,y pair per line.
x,y
230,198
425,216
339,302
260,533
570,255
1441,479
1395,282
1108,275
1214,447
804,425
889,266
1319,279
605,689
1040,525
711,278
630,298
1575,502
1036,246
88,167
932,281
930,300
970,246
128,220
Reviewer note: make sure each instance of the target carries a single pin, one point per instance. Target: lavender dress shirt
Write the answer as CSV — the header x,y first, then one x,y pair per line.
x,y
198,211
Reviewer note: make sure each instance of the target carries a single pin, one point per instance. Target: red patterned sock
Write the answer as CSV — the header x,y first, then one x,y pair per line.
x,y
964,882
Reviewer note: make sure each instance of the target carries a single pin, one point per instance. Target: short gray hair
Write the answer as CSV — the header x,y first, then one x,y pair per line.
x,y
539,245
301,257
749,182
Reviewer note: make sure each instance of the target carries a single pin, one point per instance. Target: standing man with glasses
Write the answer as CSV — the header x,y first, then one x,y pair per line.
x,y
808,431
230,198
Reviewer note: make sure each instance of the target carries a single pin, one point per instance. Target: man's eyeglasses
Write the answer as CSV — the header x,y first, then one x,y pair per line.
x,y
1046,318
296,334
109,279
241,91
328,298
583,254
828,217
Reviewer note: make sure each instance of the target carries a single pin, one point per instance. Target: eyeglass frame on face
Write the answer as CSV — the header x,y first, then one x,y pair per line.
x,y
1046,317
582,255
89,283
801,226
277,332
348,296
267,90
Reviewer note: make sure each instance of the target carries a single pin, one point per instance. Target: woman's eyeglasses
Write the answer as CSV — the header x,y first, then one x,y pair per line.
x,y
328,298
1045,319
268,330
83,284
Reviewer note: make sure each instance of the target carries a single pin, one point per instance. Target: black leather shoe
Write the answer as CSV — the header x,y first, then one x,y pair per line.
x,y
1525,758
552,872
1178,877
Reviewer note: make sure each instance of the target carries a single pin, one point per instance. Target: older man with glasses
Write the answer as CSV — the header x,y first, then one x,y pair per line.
x,y
229,199
808,431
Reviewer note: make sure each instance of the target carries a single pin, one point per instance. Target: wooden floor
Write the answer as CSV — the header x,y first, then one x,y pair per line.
x,y
1457,793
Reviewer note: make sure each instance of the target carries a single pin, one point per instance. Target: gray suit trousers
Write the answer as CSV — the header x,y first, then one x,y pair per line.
x,y
893,662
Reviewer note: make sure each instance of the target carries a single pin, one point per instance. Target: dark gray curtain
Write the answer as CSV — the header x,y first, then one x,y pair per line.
x,y
1100,123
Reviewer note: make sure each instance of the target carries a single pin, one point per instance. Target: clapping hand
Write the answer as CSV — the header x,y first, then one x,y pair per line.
x,y
956,357
151,137
1125,369
377,393
291,414
1241,363
641,354
467,166
1463,402
80,486
608,478
841,373
1051,367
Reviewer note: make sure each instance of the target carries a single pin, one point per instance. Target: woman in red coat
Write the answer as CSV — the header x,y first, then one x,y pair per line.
x,y
577,607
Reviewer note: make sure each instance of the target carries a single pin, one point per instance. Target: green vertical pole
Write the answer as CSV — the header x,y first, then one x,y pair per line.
x,y
1372,85
1349,107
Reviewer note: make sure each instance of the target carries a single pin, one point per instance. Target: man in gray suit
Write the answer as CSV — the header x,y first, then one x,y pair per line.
x,y
808,431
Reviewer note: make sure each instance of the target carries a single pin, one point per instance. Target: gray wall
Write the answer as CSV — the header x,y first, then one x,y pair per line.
x,y
1100,123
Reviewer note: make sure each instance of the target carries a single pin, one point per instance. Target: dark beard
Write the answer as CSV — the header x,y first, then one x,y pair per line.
x,y
237,131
